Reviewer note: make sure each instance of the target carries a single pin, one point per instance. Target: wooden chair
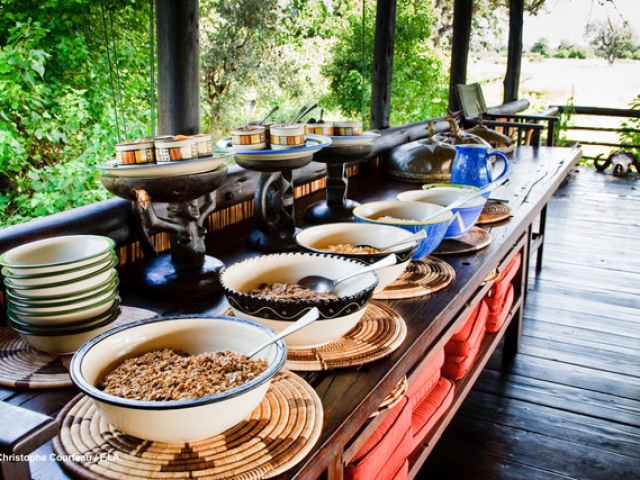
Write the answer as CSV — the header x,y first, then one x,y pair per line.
x,y
524,129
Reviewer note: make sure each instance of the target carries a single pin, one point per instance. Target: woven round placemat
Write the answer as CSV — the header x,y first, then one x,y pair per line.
x,y
22,366
380,332
421,277
493,212
280,432
393,398
472,241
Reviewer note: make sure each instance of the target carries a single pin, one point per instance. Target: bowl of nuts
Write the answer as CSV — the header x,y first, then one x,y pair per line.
x,y
157,379
362,242
265,289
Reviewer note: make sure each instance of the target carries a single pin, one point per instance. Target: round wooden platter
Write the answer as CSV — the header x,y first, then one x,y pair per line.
x,y
472,241
380,332
280,432
494,211
421,277
22,366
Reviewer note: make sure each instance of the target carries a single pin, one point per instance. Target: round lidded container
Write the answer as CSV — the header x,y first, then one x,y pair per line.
x,y
288,136
205,145
347,128
249,137
180,147
320,128
135,152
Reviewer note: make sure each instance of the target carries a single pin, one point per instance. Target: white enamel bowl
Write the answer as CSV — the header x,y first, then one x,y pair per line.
x,y
337,316
46,316
317,238
411,216
56,254
464,217
66,340
64,289
179,420
71,275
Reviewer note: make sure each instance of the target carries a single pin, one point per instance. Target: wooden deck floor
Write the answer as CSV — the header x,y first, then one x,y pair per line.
x,y
568,406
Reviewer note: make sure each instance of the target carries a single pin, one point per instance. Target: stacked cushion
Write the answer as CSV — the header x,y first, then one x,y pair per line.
x,y
462,349
384,455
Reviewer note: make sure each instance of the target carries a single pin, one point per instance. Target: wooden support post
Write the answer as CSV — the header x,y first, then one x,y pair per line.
x,y
462,10
382,74
177,28
514,57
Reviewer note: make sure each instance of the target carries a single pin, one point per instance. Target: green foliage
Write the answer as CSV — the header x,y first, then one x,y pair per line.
x,y
57,104
541,47
611,41
632,137
420,81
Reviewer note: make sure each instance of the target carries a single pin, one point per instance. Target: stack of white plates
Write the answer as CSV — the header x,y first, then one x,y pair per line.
x,y
61,291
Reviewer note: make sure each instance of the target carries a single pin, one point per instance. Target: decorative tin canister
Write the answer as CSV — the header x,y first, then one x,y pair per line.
x,y
347,128
324,128
205,145
288,136
136,152
250,137
180,148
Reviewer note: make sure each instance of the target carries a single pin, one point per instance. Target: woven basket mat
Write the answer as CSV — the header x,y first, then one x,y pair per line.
x,y
22,366
472,241
380,332
494,211
280,432
421,277
393,398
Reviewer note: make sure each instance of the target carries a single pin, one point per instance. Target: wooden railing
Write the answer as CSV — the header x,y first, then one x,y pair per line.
x,y
584,125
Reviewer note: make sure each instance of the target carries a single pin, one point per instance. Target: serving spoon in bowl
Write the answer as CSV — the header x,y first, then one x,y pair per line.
x,y
411,238
307,319
322,284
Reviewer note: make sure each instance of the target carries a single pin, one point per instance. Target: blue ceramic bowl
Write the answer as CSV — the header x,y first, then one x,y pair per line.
x,y
412,217
464,217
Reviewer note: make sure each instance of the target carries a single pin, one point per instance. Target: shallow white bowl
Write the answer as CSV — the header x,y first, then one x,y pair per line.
x,y
56,254
51,280
179,420
317,238
64,300
63,341
337,316
411,216
47,317
64,289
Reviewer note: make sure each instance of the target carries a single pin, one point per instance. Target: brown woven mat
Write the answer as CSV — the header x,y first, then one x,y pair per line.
x,y
22,366
421,277
280,432
393,398
494,211
380,332
472,241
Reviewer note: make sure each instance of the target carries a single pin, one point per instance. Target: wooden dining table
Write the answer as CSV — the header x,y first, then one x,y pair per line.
x,y
350,394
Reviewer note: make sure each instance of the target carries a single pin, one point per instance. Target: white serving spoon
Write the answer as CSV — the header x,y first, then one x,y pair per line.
x,y
307,319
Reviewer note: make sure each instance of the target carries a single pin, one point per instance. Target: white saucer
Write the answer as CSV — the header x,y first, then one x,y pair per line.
x,y
157,170
314,143
354,140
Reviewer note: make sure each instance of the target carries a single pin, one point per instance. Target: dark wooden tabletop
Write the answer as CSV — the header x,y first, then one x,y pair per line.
x,y
350,395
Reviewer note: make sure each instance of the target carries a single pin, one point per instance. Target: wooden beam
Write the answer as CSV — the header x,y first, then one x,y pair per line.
x,y
514,57
382,74
177,29
462,11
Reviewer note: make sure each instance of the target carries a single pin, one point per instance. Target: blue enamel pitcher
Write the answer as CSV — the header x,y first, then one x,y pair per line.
x,y
472,165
